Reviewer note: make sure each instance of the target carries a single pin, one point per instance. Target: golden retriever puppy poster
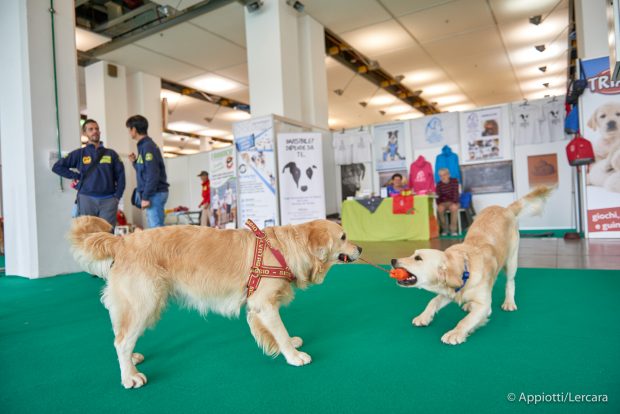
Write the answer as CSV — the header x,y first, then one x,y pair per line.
x,y
600,123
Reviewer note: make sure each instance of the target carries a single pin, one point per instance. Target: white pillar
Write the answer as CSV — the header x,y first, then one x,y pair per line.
x,y
37,213
106,103
205,144
591,26
144,98
273,60
314,102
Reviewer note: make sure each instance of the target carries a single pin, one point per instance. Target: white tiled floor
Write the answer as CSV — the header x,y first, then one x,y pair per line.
x,y
544,252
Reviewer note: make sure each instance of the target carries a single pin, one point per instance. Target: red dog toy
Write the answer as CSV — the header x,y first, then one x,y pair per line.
x,y
399,274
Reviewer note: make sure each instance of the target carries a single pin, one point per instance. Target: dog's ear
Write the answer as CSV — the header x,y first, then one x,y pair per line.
x,y
320,243
448,273
295,172
592,123
290,165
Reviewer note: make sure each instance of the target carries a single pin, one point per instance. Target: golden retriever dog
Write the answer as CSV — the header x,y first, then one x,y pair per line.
x,y
206,269
606,120
465,273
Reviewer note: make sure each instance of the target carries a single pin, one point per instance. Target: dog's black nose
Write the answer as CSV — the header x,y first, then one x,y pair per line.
x,y
611,124
304,187
394,261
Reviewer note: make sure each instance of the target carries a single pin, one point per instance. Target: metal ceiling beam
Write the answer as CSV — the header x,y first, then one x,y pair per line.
x,y
163,24
204,96
344,53
120,19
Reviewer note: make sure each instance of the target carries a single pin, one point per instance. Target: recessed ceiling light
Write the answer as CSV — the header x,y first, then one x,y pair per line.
x,y
188,151
213,83
171,97
86,40
542,68
236,115
382,100
169,148
213,132
540,48
183,126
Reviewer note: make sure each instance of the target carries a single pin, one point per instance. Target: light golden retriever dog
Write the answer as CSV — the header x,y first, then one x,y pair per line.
x,y
206,269
605,171
492,243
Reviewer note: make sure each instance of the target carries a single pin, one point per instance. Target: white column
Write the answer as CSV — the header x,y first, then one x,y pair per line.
x,y
273,60
205,144
106,103
313,73
591,25
144,99
37,213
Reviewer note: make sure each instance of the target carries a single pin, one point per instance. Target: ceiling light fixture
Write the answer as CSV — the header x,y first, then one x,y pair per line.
x,y
536,20
340,92
363,104
546,84
542,68
253,6
540,48
382,112
297,5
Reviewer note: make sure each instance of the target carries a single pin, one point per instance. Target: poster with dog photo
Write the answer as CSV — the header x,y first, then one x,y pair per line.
x,y
600,123
389,146
542,170
223,175
256,169
300,169
481,135
355,178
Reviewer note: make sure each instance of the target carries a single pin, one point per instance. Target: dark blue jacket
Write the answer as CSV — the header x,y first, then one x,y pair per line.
x,y
150,169
107,179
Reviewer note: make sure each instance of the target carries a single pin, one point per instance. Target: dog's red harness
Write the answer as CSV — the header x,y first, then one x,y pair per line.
x,y
259,270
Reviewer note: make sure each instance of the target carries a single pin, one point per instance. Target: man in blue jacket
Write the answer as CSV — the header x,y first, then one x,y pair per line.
x,y
152,188
100,175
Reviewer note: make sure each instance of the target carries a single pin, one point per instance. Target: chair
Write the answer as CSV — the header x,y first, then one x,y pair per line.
x,y
467,209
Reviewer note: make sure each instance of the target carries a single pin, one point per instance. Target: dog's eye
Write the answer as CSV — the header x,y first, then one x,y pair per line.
x,y
603,116
344,236
418,258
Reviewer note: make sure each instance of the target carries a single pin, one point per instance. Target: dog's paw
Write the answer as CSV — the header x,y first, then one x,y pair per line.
x,y
296,341
453,337
134,380
422,320
298,359
137,358
467,307
509,306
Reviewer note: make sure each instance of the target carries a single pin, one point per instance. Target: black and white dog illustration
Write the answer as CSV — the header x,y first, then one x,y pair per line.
x,y
352,176
302,181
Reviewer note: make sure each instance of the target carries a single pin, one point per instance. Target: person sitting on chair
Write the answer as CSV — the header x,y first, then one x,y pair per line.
x,y
447,199
397,185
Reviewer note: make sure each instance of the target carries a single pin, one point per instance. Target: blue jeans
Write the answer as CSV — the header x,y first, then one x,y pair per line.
x,y
155,212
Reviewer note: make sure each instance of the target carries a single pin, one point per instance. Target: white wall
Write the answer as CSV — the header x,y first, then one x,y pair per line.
x,y
185,188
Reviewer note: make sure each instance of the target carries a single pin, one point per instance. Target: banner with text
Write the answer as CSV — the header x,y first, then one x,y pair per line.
x,y
599,108
256,164
302,191
223,211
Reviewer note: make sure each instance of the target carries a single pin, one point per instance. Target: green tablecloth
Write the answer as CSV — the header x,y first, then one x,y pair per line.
x,y
360,224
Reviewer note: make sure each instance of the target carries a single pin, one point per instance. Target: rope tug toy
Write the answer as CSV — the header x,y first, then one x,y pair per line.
x,y
398,274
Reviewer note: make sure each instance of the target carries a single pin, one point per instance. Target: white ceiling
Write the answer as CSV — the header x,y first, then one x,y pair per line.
x,y
461,53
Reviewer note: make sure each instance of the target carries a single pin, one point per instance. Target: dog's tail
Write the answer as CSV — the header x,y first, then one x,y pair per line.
x,y
533,203
92,244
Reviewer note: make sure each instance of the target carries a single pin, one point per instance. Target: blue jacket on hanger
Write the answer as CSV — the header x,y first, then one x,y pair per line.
x,y
447,159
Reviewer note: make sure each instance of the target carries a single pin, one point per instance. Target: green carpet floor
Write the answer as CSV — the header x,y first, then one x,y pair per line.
x,y
56,352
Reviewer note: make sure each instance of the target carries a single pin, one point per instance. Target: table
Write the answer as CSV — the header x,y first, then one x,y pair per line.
x,y
382,225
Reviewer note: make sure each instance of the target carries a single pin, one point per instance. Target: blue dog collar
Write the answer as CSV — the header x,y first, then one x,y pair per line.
x,y
464,276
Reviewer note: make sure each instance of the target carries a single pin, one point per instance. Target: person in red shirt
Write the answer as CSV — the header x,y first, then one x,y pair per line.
x,y
447,199
206,198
